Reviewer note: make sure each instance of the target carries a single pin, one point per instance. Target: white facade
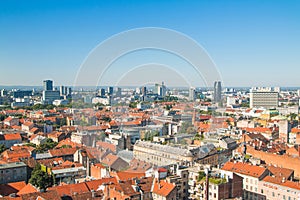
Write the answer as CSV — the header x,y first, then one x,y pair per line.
x,y
264,99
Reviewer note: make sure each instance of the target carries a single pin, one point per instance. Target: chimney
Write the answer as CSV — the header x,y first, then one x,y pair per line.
x,y
93,193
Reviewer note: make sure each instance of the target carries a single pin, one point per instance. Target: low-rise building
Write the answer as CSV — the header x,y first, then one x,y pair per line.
x,y
161,155
10,139
162,190
251,175
279,189
13,172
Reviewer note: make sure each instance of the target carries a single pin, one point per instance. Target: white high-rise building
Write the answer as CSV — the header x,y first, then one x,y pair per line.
x,y
192,94
263,99
217,91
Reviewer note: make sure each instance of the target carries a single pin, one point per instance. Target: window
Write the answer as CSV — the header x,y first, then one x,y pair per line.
x,y
247,180
262,191
273,194
215,195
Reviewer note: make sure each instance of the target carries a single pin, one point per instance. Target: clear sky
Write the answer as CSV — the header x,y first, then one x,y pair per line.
x,y
253,43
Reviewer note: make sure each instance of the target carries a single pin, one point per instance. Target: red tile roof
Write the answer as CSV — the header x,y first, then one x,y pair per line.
x,y
27,189
62,152
70,189
96,184
295,130
6,189
125,175
244,168
163,188
68,142
106,145
12,136
286,183
281,172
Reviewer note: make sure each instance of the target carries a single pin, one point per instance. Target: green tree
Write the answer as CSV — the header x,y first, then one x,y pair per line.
x,y
187,127
2,148
101,137
201,175
2,117
40,179
63,122
66,146
49,144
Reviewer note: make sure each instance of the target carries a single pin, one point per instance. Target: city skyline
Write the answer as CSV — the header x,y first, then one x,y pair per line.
x,y
252,43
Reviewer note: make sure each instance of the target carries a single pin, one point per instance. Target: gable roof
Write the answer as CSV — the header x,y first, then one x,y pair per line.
x,y
244,168
96,184
62,152
281,172
27,189
163,188
12,136
289,184
125,175
9,188
70,189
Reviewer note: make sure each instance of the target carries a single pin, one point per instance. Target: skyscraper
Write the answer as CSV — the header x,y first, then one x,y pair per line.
x,y
110,91
48,85
192,94
217,91
62,90
160,89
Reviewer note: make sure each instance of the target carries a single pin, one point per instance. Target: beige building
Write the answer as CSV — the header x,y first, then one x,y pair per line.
x,y
264,99
276,189
160,155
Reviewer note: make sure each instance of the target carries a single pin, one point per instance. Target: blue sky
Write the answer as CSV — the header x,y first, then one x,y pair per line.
x,y
253,43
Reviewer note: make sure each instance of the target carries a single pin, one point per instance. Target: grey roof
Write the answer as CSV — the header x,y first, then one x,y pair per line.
x,y
12,165
164,148
42,156
229,140
126,155
68,170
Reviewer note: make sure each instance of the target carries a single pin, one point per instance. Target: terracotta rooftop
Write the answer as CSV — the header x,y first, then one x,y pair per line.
x,y
244,168
70,189
27,189
286,183
62,152
6,189
125,175
281,172
12,136
163,188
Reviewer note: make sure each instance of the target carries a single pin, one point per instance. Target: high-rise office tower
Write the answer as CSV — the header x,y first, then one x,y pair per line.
x,y
144,90
110,91
101,92
192,94
160,89
119,92
48,85
62,90
217,91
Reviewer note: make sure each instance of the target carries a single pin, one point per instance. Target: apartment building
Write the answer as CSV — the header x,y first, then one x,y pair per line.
x,y
13,172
